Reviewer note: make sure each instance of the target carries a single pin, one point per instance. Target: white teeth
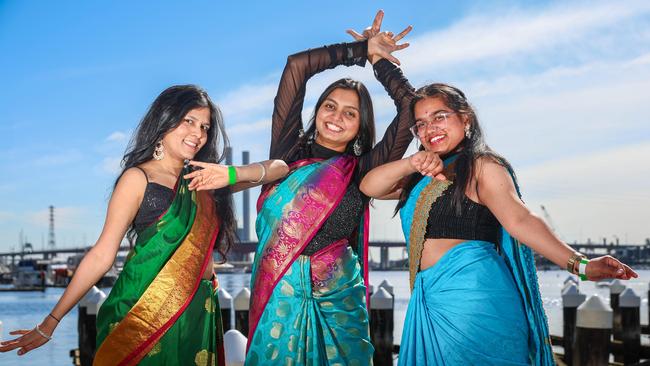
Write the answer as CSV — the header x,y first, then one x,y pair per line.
x,y
435,139
191,143
333,127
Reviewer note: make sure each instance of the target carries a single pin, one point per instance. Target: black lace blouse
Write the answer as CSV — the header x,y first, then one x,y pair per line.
x,y
287,123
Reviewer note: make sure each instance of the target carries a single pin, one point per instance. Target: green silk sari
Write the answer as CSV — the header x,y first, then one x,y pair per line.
x,y
161,311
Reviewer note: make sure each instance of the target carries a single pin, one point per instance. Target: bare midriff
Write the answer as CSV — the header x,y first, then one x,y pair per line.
x,y
434,249
209,269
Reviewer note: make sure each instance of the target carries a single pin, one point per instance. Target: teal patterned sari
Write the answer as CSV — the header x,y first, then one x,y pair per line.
x,y
308,310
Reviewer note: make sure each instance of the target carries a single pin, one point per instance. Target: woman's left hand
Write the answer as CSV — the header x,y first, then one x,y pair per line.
x,y
211,176
381,44
608,267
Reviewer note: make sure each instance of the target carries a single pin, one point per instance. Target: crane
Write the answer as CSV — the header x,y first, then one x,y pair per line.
x,y
549,221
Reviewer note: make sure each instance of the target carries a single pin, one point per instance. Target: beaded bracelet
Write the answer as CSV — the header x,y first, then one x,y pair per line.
x,y
40,332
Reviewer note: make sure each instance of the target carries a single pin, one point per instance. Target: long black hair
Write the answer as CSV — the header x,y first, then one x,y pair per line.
x,y
366,134
468,150
165,114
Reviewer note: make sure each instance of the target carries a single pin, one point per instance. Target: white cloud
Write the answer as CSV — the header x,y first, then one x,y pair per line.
x,y
595,195
5,216
505,33
65,217
111,165
59,158
117,136
245,128
248,100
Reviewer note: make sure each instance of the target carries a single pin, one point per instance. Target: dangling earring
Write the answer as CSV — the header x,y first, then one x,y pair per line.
x,y
159,151
356,147
312,138
468,133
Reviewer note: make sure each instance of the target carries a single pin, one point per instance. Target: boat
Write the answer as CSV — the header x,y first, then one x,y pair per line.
x,y
29,275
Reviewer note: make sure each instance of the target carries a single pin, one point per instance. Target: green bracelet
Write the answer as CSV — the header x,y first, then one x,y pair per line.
x,y
232,175
582,269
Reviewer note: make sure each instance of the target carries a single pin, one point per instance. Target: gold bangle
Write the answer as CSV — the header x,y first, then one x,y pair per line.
x,y
570,264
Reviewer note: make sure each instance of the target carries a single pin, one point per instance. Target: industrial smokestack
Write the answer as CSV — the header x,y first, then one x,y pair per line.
x,y
245,157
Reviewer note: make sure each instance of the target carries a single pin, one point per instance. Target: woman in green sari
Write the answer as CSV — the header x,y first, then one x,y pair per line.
x,y
162,309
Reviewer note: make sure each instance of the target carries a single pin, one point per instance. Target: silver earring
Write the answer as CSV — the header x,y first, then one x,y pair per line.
x,y
468,133
312,137
159,151
356,147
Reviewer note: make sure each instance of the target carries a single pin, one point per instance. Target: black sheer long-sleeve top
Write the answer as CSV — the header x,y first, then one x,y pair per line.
x,y
287,125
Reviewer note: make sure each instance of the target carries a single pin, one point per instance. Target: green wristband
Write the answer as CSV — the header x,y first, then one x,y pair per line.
x,y
582,269
232,175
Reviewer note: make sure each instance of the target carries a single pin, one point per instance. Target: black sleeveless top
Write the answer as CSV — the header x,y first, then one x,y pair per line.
x,y
475,221
156,200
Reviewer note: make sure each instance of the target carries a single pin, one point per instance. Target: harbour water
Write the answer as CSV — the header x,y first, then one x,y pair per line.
x,y
25,309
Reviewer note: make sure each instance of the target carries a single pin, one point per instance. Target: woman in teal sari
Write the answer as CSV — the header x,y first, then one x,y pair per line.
x,y
309,279
162,309
475,297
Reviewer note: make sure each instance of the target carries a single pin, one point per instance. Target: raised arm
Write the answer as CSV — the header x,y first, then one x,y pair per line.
x,y
288,103
397,137
122,208
497,191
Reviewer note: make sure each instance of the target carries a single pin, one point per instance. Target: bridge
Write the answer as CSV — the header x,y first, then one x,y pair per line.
x,y
633,254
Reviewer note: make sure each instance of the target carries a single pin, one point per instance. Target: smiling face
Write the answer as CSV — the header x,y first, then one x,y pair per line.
x,y
191,134
442,129
338,119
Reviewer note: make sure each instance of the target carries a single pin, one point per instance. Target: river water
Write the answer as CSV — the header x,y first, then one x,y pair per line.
x,y
25,309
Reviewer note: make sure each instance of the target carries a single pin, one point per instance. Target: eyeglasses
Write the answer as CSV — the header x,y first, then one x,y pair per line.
x,y
437,121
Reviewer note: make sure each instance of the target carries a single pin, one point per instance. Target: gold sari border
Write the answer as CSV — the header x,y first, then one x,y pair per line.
x,y
168,294
428,196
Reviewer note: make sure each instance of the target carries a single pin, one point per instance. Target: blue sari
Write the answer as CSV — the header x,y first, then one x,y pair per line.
x,y
475,305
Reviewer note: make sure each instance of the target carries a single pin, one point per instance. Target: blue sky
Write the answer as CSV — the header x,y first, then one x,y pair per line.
x,y
561,89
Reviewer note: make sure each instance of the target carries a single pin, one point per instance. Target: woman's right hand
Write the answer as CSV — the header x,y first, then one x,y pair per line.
x,y
29,338
381,44
427,163
210,176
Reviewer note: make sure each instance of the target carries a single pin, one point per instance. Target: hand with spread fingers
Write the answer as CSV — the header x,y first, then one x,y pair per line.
x,y
427,163
29,338
608,267
209,176
381,44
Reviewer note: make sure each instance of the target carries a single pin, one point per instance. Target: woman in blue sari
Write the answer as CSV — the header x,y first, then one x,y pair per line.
x,y
475,297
